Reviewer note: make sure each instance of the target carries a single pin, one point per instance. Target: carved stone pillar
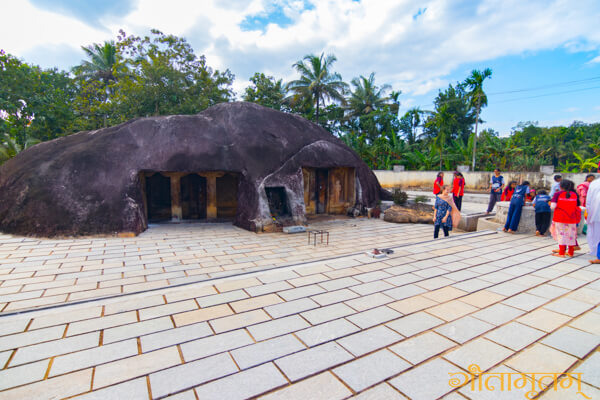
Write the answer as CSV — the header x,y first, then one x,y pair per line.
x,y
176,213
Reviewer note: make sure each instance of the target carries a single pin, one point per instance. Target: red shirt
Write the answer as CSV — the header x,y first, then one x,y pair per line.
x,y
437,185
567,210
507,194
458,187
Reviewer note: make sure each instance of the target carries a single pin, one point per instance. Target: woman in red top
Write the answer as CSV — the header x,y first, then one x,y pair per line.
x,y
508,192
439,182
567,215
458,189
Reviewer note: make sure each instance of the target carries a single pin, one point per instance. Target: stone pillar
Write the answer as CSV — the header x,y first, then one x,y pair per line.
x,y
211,196
176,212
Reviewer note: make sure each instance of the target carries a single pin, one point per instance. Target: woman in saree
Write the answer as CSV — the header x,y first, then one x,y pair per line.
x,y
445,213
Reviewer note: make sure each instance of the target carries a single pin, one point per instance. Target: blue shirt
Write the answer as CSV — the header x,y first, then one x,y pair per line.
x,y
518,197
497,182
541,203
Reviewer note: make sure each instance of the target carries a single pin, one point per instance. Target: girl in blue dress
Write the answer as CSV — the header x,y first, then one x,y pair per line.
x,y
445,213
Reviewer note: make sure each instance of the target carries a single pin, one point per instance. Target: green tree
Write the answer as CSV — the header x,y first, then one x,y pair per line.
x,y
317,83
101,63
410,122
478,98
366,96
266,91
444,122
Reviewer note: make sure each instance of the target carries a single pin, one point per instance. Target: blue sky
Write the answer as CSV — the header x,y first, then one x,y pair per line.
x,y
419,47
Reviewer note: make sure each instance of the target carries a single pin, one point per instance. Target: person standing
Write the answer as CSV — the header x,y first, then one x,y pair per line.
x,y
541,203
582,189
556,185
496,186
593,220
516,207
445,213
508,192
439,182
567,215
458,189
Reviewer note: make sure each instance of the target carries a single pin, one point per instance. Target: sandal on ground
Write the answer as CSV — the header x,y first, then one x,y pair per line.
x,y
537,233
576,248
555,251
595,261
559,255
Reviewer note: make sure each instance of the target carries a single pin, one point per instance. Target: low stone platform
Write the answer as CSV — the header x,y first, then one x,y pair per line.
x,y
345,327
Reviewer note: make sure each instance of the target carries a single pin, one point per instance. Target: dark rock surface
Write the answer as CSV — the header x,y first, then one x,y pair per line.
x,y
88,183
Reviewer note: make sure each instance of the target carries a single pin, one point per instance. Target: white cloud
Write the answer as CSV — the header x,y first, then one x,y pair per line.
x,y
415,56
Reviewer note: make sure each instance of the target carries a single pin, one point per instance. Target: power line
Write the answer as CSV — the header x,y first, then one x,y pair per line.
x,y
547,94
568,83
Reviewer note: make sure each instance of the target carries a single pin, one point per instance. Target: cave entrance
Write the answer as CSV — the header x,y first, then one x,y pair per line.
x,y
193,197
278,204
227,196
158,197
329,190
321,195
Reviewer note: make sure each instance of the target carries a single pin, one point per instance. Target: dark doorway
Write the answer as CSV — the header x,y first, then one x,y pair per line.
x,y
227,196
322,181
158,194
193,197
277,201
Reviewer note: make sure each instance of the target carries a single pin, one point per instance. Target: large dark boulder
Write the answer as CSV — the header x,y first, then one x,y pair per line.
x,y
89,182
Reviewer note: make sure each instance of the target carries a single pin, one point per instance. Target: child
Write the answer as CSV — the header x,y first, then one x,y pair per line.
x,y
583,188
445,214
530,196
541,203
458,189
516,207
508,192
439,182
496,186
567,215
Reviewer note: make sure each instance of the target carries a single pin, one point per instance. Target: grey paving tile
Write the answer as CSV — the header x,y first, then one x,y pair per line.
x,y
281,326
326,332
336,296
135,389
419,348
590,370
498,314
370,370
412,324
379,392
427,381
244,384
188,375
572,341
23,374
268,350
55,348
327,313
175,336
374,316
215,344
30,337
568,306
291,307
369,301
515,336
320,387
525,301
136,329
369,340
404,292
481,352
311,361
464,329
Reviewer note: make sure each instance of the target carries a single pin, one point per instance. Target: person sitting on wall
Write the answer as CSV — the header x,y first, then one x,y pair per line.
x,y
556,185
508,192
458,189
439,182
516,207
496,186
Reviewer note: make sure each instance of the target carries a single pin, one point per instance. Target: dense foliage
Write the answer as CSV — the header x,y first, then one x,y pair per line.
x,y
160,74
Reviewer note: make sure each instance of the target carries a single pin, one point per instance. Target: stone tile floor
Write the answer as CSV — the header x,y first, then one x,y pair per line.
x,y
327,329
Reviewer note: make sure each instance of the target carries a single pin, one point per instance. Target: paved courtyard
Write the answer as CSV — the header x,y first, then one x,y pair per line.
x,y
297,321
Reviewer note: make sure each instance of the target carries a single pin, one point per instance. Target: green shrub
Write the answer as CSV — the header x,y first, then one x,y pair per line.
x,y
400,197
421,199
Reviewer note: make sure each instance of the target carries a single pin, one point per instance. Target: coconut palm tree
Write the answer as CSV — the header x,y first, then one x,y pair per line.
x,y
317,82
101,62
367,96
477,98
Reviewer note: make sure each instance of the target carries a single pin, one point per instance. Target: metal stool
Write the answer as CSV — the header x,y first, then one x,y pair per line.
x,y
315,233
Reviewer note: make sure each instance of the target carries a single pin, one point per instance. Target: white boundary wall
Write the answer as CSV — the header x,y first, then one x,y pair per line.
x,y
477,181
